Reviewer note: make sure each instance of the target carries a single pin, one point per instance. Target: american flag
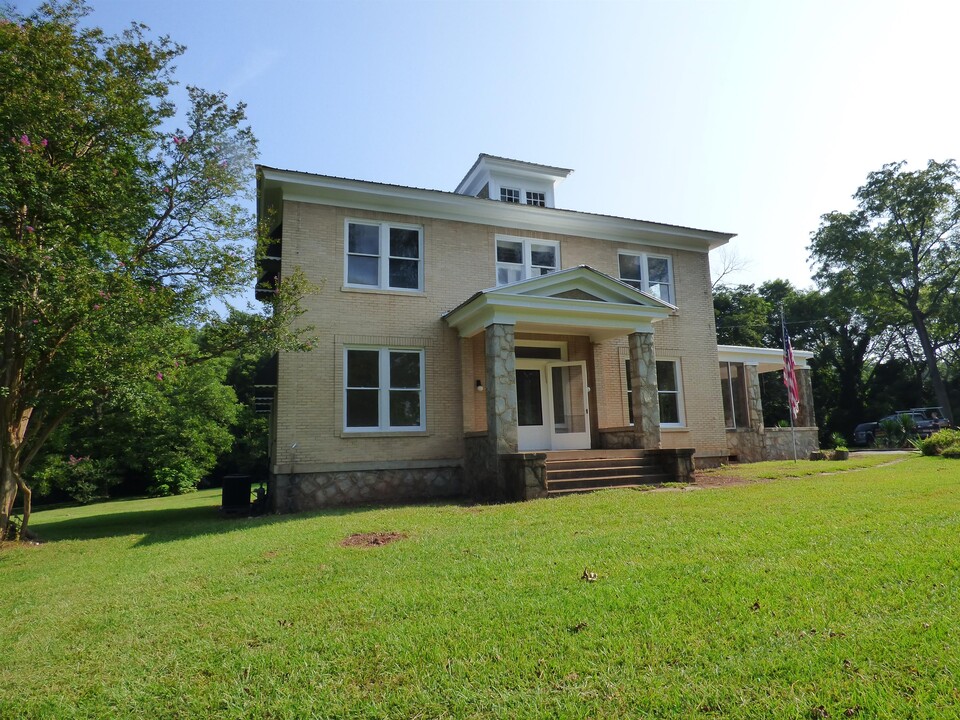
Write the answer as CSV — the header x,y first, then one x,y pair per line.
x,y
790,373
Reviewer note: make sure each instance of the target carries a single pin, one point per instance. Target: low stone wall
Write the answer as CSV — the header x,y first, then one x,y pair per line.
x,y
480,475
311,491
779,443
524,475
621,438
773,443
678,462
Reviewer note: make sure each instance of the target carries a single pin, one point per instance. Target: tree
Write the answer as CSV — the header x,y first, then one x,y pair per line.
x,y
901,245
117,227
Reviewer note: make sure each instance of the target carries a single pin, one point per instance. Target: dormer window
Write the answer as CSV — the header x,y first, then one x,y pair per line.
x,y
510,195
536,198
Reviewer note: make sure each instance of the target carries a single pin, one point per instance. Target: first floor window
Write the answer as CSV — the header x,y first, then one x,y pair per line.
x,y
650,273
524,258
669,393
384,255
383,389
734,389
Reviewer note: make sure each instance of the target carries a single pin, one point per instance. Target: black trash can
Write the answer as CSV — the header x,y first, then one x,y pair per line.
x,y
236,494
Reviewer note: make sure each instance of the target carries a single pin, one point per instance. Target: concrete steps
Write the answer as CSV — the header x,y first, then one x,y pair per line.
x,y
572,471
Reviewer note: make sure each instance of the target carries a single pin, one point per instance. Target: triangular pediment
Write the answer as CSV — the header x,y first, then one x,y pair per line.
x,y
578,301
581,283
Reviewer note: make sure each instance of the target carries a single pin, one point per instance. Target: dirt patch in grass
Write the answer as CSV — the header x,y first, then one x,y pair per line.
x,y
371,539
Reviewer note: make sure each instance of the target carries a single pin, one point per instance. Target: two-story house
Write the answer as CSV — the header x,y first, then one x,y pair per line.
x,y
485,342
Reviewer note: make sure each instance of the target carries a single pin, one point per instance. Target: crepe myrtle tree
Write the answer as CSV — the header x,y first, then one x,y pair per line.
x,y
120,220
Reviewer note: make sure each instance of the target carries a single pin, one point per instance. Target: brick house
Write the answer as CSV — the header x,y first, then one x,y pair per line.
x,y
485,342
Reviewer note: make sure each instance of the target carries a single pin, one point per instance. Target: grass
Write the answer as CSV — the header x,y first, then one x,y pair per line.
x,y
781,469
834,594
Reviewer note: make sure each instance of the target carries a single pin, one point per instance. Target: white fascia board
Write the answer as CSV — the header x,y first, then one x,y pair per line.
x,y
363,195
772,358
509,309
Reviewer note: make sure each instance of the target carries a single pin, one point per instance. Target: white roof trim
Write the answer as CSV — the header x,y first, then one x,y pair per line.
x,y
363,195
766,359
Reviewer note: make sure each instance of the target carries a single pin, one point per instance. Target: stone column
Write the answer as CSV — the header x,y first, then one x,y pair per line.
x,y
643,380
501,393
751,381
806,416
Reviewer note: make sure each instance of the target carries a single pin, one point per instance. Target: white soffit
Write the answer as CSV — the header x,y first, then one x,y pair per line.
x,y
766,359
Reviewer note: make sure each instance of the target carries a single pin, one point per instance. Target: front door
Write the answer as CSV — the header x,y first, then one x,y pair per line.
x,y
552,407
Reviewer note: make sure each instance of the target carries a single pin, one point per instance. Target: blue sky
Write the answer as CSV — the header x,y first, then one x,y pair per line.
x,y
745,117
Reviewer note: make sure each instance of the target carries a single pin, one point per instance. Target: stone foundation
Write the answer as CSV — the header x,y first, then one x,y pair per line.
x,y
312,491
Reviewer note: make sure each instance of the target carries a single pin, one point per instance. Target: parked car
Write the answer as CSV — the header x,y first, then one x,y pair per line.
x,y
926,421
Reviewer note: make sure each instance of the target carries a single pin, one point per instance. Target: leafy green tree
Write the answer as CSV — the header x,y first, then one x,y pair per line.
x,y
901,245
117,227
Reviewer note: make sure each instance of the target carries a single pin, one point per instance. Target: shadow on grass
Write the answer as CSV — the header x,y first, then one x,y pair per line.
x,y
178,523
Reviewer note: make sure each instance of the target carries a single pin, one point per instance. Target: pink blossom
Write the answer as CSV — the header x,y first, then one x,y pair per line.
x,y
96,307
159,376
24,140
35,321
29,228
179,140
43,142
120,263
166,188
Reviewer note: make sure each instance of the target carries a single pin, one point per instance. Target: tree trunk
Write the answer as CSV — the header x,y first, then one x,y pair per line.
x,y
939,389
8,491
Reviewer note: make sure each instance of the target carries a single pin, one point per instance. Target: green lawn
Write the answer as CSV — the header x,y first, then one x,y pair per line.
x,y
830,595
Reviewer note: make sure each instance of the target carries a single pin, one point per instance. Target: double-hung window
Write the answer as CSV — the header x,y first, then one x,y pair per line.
x,y
650,273
386,256
734,388
524,258
669,393
383,389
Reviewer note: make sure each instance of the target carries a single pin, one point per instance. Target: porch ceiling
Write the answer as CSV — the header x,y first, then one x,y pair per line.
x,y
576,301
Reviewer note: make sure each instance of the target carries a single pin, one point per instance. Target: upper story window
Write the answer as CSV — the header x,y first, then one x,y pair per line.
x,y
511,195
523,258
536,198
650,273
387,256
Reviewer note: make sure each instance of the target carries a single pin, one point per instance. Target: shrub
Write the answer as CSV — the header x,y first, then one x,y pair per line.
x,y
174,480
937,443
952,451
84,479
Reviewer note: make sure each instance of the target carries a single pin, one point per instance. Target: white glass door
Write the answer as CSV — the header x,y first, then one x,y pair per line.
x,y
533,429
568,409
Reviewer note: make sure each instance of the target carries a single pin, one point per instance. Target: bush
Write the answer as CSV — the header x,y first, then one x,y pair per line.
x,y
83,479
174,481
940,442
952,451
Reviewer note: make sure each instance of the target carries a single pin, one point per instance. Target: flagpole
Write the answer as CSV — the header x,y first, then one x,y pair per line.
x,y
787,368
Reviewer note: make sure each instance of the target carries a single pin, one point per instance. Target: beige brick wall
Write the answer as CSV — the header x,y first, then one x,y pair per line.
x,y
458,261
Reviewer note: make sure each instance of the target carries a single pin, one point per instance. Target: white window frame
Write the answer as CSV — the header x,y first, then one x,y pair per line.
x,y
383,256
677,369
542,198
527,265
678,373
645,272
504,189
383,390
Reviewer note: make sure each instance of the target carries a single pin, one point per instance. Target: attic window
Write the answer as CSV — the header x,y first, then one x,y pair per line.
x,y
510,195
536,198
